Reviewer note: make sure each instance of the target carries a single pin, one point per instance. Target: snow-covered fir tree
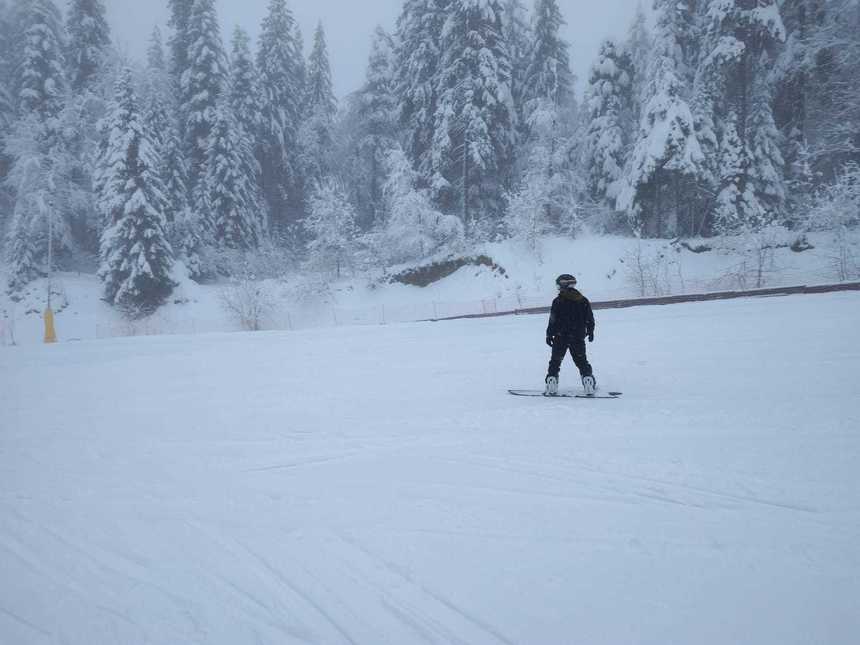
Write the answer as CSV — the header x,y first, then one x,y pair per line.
x,y
734,69
162,120
548,76
136,256
417,60
518,36
279,66
7,104
88,40
475,118
316,130
244,85
638,48
318,87
202,83
231,184
179,42
661,190
33,146
331,229
832,87
158,79
155,58
375,108
41,74
548,110
608,102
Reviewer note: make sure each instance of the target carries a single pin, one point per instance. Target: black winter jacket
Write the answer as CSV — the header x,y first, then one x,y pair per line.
x,y
571,316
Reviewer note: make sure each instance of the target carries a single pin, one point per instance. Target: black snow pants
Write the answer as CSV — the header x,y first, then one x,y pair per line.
x,y
576,346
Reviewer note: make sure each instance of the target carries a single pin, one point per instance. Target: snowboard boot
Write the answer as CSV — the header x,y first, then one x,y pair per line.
x,y
551,386
589,384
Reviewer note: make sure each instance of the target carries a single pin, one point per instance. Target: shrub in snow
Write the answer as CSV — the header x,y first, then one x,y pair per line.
x,y
837,208
248,301
650,270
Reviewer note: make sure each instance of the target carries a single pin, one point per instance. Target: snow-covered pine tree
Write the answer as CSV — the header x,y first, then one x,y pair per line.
x,y
548,95
796,72
475,119
32,144
833,90
733,71
41,76
174,173
638,48
417,59
136,256
548,76
7,107
660,193
202,83
7,71
162,121
375,108
315,132
767,168
88,40
179,43
518,36
231,183
318,88
331,229
155,59
244,86
279,66
736,200
608,101
158,79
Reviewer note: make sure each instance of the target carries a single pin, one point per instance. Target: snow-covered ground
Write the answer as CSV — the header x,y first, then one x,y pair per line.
x,y
602,264
378,485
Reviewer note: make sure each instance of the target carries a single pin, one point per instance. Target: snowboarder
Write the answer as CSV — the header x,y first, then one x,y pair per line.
x,y
571,321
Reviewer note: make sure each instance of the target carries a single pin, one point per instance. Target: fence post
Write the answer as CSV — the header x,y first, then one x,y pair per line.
x,y
435,310
382,312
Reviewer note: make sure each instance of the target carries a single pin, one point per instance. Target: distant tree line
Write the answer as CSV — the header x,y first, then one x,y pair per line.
x,y
731,116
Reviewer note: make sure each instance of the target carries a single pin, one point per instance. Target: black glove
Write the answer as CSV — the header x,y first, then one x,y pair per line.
x,y
591,336
549,340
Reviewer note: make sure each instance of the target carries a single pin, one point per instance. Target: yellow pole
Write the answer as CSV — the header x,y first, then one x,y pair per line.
x,y
50,333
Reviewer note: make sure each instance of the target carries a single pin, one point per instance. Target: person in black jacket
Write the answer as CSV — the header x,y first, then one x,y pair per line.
x,y
571,321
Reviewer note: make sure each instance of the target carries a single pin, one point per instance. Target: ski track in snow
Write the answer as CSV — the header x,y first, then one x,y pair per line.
x,y
208,490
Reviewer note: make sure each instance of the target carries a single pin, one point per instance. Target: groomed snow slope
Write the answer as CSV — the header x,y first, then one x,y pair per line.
x,y
378,485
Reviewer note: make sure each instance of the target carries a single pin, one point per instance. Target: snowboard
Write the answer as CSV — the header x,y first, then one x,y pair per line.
x,y
566,394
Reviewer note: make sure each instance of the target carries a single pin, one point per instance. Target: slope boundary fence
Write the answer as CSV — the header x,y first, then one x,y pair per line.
x,y
672,300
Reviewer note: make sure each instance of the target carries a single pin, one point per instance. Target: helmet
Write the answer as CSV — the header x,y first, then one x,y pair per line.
x,y
565,281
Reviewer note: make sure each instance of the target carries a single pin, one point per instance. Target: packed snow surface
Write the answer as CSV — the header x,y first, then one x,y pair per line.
x,y
378,484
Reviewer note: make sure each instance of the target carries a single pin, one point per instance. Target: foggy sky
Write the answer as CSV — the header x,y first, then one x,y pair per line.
x,y
349,25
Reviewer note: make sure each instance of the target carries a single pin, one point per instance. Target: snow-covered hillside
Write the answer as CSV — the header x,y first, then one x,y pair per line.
x,y
607,268
378,485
